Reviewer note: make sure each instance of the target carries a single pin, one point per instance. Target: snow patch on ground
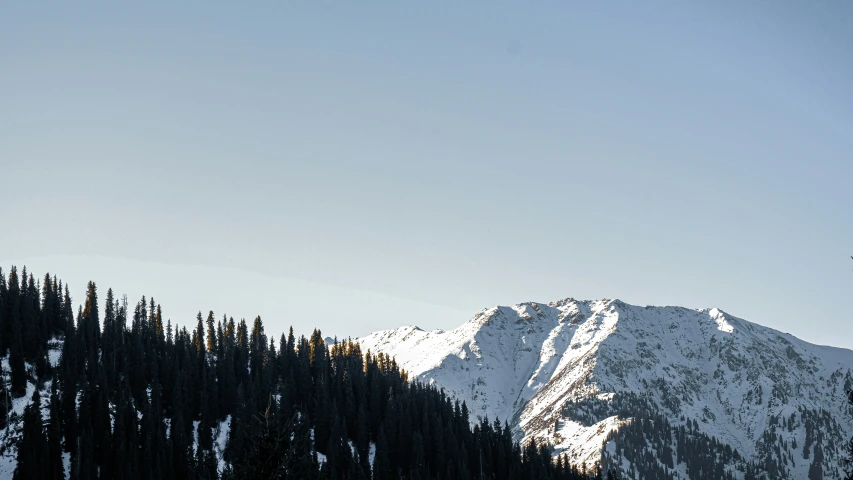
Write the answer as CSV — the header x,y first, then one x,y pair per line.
x,y
220,440
10,435
581,443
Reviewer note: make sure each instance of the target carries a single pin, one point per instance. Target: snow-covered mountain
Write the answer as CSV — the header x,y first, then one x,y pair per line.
x,y
668,392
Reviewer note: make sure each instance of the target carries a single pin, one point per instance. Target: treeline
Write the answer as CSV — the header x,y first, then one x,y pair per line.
x,y
133,396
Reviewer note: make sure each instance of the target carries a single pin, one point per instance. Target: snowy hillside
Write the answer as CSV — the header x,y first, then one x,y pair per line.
x,y
10,435
702,390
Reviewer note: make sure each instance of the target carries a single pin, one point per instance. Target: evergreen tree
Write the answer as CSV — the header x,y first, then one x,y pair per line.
x,y
5,399
101,423
32,450
281,449
91,329
55,467
382,462
68,378
5,331
18,369
211,333
849,449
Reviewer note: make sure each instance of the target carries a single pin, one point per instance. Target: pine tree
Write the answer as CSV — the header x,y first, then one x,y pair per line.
x,y
152,437
18,369
159,331
68,379
84,466
179,441
32,450
5,399
204,429
198,335
91,329
322,418
101,423
211,333
55,467
362,439
50,307
5,332
28,314
281,448
16,362
849,469
381,463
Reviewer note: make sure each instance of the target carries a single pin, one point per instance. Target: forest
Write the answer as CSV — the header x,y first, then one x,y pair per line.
x,y
117,391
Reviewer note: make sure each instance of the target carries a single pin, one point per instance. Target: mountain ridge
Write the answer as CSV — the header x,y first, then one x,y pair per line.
x,y
533,364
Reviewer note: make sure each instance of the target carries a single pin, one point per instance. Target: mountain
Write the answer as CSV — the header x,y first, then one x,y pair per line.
x,y
666,392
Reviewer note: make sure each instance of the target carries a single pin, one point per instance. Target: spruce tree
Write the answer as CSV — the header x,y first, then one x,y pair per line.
x,y
55,467
85,466
382,462
18,369
5,399
32,450
28,313
101,423
198,335
211,333
50,307
849,447
205,424
16,362
362,439
322,418
91,330
5,333
68,380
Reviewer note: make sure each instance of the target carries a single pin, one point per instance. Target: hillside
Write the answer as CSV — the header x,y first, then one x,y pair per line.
x,y
122,392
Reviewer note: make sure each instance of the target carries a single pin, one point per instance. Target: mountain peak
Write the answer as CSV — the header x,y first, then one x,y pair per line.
x,y
535,364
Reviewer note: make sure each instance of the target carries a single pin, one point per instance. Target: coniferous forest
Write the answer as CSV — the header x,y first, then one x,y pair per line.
x,y
118,391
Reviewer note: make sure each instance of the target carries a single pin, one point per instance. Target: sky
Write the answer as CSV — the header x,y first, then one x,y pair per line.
x,y
356,166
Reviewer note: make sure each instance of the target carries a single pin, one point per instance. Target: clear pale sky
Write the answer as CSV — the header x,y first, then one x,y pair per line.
x,y
363,165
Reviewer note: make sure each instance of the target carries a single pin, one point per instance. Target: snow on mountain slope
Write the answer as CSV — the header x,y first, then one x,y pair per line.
x,y
572,373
